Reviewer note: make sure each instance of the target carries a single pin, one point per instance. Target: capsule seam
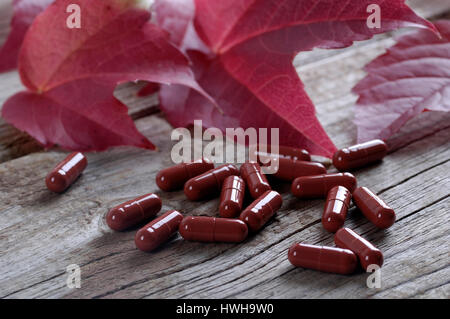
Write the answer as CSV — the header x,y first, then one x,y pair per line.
x,y
216,179
214,229
337,199
140,208
319,260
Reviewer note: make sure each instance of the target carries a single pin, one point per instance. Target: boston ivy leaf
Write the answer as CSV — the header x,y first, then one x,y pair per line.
x,y
71,73
78,115
248,67
412,77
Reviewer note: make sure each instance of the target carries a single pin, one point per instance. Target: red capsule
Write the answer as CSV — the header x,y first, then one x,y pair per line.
x,y
264,150
319,185
158,231
375,210
174,178
66,172
232,196
208,184
327,259
336,207
133,212
261,210
359,155
289,170
256,181
212,229
367,253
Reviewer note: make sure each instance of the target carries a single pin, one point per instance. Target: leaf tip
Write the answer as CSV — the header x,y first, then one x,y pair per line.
x,y
146,144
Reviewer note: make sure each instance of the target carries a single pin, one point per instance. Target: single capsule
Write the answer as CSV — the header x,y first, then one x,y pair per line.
x,y
158,231
261,210
232,196
367,253
174,178
327,259
375,210
336,207
265,150
288,170
256,181
319,185
209,183
133,212
212,229
359,155
66,172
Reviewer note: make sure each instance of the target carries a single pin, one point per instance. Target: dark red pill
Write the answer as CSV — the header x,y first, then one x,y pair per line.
x,y
261,210
174,178
288,170
133,212
212,229
208,184
367,253
336,207
265,150
158,231
375,210
319,185
256,181
359,155
232,197
66,172
327,259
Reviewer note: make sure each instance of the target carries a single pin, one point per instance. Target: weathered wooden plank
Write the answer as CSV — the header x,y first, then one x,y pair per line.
x,y
75,220
413,248
442,291
430,284
429,8
60,230
5,18
258,271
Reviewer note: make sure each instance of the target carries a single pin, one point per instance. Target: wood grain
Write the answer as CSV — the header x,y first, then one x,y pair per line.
x,y
75,221
42,233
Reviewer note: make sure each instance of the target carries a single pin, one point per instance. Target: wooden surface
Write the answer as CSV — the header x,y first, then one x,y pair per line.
x,y
42,233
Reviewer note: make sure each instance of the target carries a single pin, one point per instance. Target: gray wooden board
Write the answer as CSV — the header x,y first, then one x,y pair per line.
x,y
42,233
111,265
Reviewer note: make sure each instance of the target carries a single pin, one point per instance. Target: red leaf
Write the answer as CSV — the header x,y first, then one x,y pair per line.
x,y
79,115
148,89
72,73
249,70
24,13
412,77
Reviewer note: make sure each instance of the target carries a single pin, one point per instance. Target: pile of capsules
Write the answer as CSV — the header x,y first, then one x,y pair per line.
x,y
201,180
